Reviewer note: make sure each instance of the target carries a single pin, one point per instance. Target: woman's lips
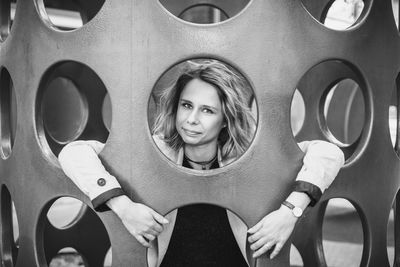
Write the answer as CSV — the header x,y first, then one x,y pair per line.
x,y
190,132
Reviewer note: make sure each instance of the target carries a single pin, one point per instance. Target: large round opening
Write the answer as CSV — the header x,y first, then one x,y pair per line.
x,y
342,234
202,104
70,106
336,97
68,15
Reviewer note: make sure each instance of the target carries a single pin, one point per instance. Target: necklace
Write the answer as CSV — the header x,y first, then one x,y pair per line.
x,y
202,163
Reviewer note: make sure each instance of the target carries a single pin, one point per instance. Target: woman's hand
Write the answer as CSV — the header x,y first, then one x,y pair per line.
x,y
141,221
273,230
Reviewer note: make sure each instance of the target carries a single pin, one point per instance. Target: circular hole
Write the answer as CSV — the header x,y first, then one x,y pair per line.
x,y
391,235
202,107
213,11
207,234
7,9
297,112
8,118
108,258
342,14
338,14
59,227
107,112
68,15
394,116
203,14
69,106
9,229
67,257
64,212
395,7
62,95
344,112
295,257
342,234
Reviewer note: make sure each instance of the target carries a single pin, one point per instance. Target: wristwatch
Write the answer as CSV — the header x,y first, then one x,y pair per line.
x,y
296,211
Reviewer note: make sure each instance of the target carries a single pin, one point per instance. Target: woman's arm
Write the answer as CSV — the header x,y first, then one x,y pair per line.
x,y
80,162
321,163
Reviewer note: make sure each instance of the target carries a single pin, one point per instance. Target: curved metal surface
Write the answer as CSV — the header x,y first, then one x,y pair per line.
x,y
129,44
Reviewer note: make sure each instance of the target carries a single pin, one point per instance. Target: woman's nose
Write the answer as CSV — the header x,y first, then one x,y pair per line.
x,y
193,117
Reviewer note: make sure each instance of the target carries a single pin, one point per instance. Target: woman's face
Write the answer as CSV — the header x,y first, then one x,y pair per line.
x,y
199,117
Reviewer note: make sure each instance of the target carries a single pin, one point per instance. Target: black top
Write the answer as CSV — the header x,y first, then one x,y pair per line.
x,y
202,237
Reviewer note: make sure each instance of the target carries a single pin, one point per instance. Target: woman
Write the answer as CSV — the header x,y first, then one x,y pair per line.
x,y
204,123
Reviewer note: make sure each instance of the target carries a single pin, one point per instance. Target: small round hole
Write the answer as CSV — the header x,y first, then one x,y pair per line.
x,y
394,117
64,212
67,257
68,15
8,118
342,234
390,240
67,222
7,9
395,7
297,112
9,229
342,14
344,112
338,14
206,104
204,13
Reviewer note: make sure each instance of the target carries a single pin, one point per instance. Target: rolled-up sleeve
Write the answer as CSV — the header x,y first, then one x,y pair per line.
x,y
80,162
321,163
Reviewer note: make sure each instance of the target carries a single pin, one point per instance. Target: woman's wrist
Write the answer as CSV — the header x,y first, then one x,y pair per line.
x,y
299,199
118,204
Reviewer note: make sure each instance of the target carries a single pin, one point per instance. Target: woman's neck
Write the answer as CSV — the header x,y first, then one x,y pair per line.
x,y
201,153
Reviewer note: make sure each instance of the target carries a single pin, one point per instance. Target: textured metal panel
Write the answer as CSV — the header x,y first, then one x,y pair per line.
x,y
277,45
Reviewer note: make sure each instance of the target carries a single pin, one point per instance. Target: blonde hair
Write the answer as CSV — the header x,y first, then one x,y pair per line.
x,y
232,89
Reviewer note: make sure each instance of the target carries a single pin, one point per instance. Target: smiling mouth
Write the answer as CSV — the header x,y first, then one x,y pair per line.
x,y
190,133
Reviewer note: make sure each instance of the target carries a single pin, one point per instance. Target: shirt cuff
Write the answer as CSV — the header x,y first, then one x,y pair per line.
x,y
312,191
99,202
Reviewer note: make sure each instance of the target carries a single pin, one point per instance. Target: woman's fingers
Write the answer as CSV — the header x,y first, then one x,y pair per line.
x,y
260,242
255,228
149,236
159,218
142,241
277,249
262,250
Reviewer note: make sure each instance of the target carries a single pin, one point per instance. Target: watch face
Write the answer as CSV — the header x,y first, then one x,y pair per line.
x,y
297,211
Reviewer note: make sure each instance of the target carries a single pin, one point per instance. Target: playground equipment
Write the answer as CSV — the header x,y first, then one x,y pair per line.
x,y
58,84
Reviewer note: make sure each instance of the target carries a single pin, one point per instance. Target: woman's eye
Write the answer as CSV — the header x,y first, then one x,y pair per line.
x,y
186,105
206,110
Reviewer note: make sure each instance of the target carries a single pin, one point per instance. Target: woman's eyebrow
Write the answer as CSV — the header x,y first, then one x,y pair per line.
x,y
210,107
185,100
